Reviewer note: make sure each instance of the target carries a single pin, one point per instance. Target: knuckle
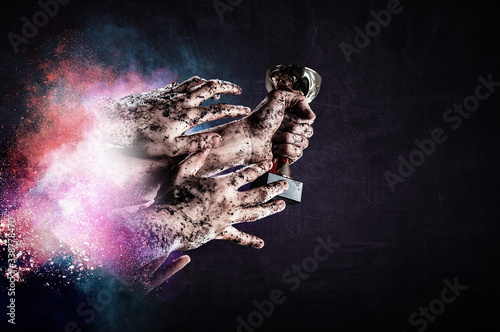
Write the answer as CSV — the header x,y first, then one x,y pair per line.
x,y
210,84
313,117
275,94
252,173
305,142
291,150
295,127
262,195
297,139
272,207
259,169
289,137
298,152
309,130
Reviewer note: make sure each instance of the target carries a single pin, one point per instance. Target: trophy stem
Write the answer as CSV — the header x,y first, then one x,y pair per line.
x,y
285,170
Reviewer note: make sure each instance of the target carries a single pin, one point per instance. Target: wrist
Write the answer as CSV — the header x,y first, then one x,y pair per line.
x,y
150,232
251,142
259,146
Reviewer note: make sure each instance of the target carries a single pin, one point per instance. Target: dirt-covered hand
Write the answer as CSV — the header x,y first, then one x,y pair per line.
x,y
279,126
195,210
154,122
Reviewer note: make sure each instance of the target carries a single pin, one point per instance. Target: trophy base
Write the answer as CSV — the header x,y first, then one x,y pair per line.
x,y
291,197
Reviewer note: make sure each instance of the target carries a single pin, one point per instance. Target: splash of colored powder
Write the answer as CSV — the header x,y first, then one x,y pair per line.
x,y
69,179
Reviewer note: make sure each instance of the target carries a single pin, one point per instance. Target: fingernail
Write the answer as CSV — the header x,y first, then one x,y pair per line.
x,y
215,141
258,245
183,257
266,164
286,185
281,205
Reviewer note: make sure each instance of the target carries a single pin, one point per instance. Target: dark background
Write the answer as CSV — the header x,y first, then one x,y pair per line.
x,y
396,247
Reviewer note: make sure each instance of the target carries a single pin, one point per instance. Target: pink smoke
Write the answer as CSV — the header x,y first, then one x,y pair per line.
x,y
65,176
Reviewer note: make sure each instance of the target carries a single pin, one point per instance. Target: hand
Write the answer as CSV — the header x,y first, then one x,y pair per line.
x,y
279,126
197,209
190,211
283,119
291,138
154,122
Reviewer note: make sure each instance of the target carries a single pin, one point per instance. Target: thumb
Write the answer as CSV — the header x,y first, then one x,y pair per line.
x,y
300,110
165,272
193,163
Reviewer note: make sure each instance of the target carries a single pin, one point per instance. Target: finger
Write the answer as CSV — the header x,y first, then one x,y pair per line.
x,y
189,84
152,96
193,163
263,193
207,90
302,129
281,137
236,236
165,272
254,213
150,268
196,142
249,173
297,107
300,110
287,150
218,111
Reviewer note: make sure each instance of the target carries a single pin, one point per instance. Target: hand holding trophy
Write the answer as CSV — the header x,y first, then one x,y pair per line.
x,y
303,81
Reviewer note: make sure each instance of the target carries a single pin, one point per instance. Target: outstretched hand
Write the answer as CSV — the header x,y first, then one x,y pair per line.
x,y
194,210
191,210
154,122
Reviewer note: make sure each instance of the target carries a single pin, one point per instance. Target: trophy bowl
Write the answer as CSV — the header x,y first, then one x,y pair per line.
x,y
298,79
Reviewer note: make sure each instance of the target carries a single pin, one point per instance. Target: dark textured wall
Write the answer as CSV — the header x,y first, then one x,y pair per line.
x,y
396,248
